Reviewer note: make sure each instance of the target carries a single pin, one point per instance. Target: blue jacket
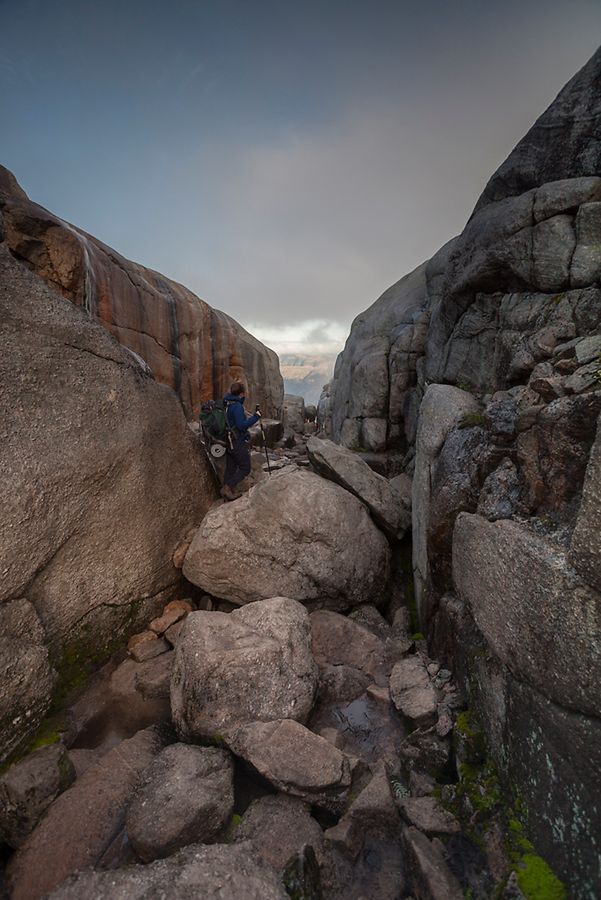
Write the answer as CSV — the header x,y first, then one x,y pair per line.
x,y
236,418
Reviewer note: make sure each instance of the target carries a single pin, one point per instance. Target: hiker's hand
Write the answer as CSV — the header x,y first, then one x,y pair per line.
x,y
258,412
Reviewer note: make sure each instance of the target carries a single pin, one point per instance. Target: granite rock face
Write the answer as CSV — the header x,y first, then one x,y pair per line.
x,y
497,417
562,144
546,630
93,448
196,350
371,393
294,534
27,676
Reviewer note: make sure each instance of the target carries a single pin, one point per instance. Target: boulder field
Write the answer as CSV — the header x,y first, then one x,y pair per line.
x,y
309,784
479,375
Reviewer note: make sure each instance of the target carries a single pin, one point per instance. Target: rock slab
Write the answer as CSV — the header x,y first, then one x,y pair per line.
x,y
390,507
214,872
296,761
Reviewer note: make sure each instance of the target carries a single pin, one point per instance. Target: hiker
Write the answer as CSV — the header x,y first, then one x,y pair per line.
x,y
237,458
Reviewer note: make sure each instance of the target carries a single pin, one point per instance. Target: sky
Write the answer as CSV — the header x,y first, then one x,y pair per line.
x,y
287,161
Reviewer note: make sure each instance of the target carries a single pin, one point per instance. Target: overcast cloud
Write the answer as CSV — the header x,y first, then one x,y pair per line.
x,y
287,161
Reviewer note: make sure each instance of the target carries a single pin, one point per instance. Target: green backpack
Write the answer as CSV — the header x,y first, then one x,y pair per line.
x,y
214,426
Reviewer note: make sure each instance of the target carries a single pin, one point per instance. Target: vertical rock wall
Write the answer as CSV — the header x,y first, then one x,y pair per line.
x,y
499,337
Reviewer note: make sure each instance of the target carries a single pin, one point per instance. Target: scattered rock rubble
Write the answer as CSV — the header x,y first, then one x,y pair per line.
x,y
347,749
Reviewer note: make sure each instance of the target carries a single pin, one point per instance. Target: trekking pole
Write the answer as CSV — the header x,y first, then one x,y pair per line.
x,y
264,441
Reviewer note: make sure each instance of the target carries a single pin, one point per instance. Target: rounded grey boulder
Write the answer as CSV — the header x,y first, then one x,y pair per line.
x,y
186,797
294,534
254,664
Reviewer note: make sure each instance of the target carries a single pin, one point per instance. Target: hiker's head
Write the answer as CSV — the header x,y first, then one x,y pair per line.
x,y
238,389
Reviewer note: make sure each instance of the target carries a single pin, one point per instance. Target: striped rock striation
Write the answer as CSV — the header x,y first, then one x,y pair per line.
x,y
196,350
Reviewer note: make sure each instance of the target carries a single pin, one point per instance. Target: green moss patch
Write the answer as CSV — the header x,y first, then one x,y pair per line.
x,y
232,828
537,881
473,420
479,801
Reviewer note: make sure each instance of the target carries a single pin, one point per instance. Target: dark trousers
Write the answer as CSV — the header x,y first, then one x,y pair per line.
x,y
237,462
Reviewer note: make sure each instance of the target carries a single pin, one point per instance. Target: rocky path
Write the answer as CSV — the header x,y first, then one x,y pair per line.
x,y
267,748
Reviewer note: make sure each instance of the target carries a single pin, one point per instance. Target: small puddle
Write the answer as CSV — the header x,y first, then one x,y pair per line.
x,y
367,728
110,709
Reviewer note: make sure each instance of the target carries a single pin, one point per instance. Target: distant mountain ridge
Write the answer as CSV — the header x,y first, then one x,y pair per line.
x,y
306,375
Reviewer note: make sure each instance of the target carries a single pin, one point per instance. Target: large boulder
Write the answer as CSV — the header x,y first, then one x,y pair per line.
x,y
92,447
294,534
254,664
83,820
196,350
390,508
223,871
186,797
